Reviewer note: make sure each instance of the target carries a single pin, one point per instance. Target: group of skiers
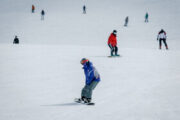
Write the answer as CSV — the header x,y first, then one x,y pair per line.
x,y
127,19
91,74
112,41
42,12
16,39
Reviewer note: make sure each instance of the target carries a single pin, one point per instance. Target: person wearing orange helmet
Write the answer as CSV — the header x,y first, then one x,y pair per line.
x,y
92,79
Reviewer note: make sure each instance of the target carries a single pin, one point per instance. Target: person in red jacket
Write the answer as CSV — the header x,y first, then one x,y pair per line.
x,y
112,43
33,8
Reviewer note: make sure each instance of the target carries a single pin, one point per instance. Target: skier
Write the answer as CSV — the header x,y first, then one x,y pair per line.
x,y
162,37
42,14
146,17
92,79
112,43
126,21
16,40
84,9
33,8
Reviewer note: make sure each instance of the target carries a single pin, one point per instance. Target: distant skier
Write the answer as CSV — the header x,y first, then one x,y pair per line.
x,y
16,40
92,79
146,17
42,15
84,9
162,37
126,21
112,43
33,8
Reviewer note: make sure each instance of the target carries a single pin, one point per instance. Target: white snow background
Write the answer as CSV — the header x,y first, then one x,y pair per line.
x,y
40,77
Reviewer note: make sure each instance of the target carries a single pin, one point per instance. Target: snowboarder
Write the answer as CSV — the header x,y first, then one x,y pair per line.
x,y
126,21
92,79
84,9
42,14
162,37
112,43
33,8
146,17
16,40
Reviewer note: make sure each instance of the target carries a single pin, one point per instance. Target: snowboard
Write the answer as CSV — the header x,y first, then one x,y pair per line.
x,y
114,56
77,100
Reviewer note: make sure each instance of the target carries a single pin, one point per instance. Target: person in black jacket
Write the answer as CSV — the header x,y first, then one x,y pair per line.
x,y
126,21
42,14
16,40
84,9
146,17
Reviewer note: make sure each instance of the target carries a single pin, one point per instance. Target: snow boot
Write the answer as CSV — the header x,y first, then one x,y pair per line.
x,y
159,47
87,100
83,98
166,47
117,55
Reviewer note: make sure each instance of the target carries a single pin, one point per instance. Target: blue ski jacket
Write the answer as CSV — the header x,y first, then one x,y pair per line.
x,y
91,73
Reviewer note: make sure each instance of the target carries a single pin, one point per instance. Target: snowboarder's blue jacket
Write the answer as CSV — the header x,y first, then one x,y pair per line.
x,y
90,73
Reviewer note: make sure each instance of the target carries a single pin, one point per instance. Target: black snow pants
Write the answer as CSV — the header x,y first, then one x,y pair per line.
x,y
160,43
113,49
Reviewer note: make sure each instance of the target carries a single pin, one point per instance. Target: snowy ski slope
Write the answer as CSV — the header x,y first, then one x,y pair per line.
x,y
40,77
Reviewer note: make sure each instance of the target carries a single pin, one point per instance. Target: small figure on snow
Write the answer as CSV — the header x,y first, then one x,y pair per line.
x,y
92,79
126,21
84,9
146,17
112,43
16,40
33,8
162,37
42,14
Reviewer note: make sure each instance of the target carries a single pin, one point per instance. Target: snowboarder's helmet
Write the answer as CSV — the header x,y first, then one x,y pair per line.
x,y
83,61
114,32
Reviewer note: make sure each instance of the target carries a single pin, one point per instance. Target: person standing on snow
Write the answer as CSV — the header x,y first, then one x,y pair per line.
x,y
84,9
126,21
16,40
112,43
33,8
42,14
162,37
146,17
92,79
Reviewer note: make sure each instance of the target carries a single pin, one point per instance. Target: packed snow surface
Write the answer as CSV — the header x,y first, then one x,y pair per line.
x,y
40,77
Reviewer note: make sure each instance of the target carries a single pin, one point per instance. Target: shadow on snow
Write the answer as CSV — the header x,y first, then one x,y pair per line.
x,y
64,104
